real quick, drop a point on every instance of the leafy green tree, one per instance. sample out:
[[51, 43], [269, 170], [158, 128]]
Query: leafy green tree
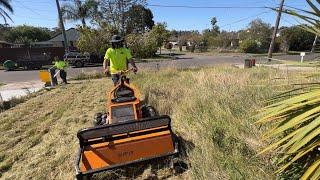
[[4, 7], [138, 19], [160, 33], [259, 31], [26, 34], [142, 45], [80, 10], [222, 40], [114, 12], [95, 41], [297, 38], [214, 27], [3, 30]]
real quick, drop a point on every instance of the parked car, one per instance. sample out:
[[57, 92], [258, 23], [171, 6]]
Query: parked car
[[77, 59]]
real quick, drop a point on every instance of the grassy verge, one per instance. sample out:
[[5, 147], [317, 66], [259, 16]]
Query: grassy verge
[[88, 76], [156, 58], [212, 111], [17, 100], [295, 63]]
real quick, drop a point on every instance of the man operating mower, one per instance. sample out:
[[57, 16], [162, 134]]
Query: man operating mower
[[117, 58]]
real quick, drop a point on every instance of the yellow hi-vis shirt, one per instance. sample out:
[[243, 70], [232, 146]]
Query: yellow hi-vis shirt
[[60, 64], [118, 59]]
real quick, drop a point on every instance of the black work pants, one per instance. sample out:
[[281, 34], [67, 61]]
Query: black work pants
[[63, 75]]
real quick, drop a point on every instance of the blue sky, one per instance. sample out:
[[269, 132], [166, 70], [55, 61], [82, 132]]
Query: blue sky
[[44, 13]]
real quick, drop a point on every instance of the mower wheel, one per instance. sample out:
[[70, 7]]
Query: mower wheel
[[97, 119], [100, 119], [148, 111]]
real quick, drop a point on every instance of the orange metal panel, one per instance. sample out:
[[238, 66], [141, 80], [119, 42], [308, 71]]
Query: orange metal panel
[[126, 150]]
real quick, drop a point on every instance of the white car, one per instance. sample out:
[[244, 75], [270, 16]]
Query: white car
[[77, 59]]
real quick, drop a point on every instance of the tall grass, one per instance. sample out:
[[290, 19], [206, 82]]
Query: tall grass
[[211, 109]]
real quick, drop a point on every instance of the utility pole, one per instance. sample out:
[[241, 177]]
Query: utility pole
[[314, 44], [62, 25], [275, 30]]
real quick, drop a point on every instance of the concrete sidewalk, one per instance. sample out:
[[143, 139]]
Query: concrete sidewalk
[[14, 90]]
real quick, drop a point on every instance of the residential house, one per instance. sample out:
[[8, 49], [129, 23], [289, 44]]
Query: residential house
[[58, 40], [72, 37]]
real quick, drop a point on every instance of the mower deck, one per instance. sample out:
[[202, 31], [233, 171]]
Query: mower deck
[[112, 146]]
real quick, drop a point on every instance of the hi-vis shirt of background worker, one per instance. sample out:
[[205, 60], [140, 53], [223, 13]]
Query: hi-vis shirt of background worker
[[62, 66], [118, 58]]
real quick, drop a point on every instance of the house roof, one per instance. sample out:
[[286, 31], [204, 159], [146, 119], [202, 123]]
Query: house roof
[[72, 35], [5, 42], [43, 42]]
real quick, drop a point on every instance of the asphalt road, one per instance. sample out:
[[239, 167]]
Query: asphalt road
[[183, 61]]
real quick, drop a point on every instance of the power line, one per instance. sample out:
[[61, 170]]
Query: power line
[[32, 8], [286, 20], [207, 7], [44, 19], [28, 8], [243, 19]]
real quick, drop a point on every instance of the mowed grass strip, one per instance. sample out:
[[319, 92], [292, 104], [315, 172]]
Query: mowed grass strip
[[212, 111]]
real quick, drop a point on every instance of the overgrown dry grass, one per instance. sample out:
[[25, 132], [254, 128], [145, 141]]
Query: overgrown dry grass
[[211, 108]]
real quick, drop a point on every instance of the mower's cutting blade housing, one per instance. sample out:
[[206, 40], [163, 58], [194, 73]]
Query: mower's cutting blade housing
[[111, 146]]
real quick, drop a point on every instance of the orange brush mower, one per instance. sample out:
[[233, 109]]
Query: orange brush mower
[[128, 133]]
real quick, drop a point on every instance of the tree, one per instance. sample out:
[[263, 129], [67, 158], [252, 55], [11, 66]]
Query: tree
[[297, 38], [26, 34], [95, 41], [80, 10], [142, 45], [258, 31], [5, 5], [160, 33], [3, 30], [222, 40], [114, 12], [214, 26], [138, 19]]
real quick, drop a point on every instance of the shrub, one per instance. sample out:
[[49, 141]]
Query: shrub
[[168, 45], [142, 46], [297, 39], [249, 46]]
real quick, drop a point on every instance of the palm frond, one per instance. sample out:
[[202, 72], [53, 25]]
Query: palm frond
[[6, 5], [296, 127]]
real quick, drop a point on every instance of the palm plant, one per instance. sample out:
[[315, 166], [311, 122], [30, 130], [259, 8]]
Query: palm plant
[[80, 10], [295, 117], [5, 5]]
